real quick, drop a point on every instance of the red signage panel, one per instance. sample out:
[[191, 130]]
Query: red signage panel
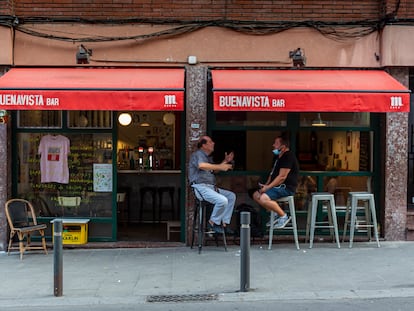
[[92, 100], [308, 90], [311, 101], [92, 89]]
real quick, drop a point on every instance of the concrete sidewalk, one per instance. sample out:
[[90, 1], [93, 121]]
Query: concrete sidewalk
[[100, 276]]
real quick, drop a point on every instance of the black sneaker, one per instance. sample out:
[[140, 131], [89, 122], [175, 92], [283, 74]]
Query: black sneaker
[[215, 228]]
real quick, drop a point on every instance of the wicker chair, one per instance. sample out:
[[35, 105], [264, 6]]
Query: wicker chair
[[23, 223]]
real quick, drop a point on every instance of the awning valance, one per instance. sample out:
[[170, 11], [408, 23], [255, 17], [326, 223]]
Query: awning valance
[[92, 89], [308, 90]]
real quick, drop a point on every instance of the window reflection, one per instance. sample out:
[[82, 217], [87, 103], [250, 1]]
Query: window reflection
[[334, 150], [336, 119], [246, 118], [39, 119], [84, 195]]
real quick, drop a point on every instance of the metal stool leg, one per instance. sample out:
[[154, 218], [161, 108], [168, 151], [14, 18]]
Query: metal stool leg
[[335, 222], [312, 221], [374, 219], [201, 213], [195, 219], [294, 224], [272, 216], [346, 218], [354, 204], [308, 222]]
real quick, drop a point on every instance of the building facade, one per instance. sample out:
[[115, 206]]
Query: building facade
[[201, 40]]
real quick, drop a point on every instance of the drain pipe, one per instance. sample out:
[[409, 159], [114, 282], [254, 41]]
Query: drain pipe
[[244, 251]]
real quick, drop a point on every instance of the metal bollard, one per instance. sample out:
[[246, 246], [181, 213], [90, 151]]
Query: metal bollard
[[244, 251], [57, 257]]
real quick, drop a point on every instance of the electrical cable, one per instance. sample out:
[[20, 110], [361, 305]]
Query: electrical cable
[[338, 31]]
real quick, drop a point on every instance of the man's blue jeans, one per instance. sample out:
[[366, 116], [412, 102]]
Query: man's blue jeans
[[222, 199]]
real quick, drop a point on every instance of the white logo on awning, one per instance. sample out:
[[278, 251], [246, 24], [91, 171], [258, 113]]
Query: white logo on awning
[[396, 102], [170, 101]]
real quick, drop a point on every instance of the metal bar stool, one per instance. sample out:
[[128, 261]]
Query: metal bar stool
[[153, 193], [122, 207], [170, 191], [332, 223], [291, 202], [369, 207], [199, 222]]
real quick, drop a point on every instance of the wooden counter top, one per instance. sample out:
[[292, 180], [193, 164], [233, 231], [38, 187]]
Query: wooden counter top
[[149, 171]]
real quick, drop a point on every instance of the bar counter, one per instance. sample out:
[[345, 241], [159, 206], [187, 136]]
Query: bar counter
[[149, 171]]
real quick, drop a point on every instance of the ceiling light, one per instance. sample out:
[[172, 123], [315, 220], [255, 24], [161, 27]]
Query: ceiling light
[[318, 121], [125, 119]]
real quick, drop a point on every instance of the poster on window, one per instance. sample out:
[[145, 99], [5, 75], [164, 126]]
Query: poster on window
[[102, 177]]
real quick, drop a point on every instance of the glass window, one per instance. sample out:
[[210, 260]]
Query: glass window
[[334, 150], [246, 118], [88, 191], [150, 141], [39, 119], [252, 149], [90, 119], [335, 119]]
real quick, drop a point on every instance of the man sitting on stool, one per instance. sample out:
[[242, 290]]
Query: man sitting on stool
[[282, 182], [202, 178]]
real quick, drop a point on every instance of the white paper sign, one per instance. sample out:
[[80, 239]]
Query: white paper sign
[[102, 177]]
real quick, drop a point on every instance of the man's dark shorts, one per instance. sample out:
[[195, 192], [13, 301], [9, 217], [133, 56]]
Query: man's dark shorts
[[278, 192]]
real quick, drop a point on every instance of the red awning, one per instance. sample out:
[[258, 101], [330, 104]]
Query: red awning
[[308, 90], [92, 89]]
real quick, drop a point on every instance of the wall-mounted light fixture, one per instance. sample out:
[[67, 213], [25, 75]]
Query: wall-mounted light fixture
[[83, 54], [318, 121], [192, 60], [168, 118], [125, 119], [298, 57]]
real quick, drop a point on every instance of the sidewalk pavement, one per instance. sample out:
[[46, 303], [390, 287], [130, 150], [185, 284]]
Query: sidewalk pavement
[[131, 276]]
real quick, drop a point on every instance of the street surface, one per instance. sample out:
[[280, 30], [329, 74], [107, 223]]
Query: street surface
[[385, 304]]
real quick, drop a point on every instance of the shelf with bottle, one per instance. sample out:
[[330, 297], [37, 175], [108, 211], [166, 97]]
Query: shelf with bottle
[[141, 158]]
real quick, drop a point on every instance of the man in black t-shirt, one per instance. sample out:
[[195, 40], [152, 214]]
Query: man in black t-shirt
[[282, 181]]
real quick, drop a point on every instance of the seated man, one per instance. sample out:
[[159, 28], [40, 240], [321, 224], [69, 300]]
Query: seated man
[[282, 181], [202, 178]]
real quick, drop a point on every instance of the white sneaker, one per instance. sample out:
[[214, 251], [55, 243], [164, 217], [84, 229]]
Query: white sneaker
[[274, 220], [282, 222]]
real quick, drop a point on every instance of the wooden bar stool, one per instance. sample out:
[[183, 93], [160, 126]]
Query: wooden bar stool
[[291, 202], [369, 213], [332, 223]]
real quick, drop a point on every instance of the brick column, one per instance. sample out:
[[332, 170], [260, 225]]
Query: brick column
[[4, 178], [196, 125], [396, 166]]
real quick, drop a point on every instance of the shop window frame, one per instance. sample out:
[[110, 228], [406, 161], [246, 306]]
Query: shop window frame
[[65, 129], [293, 127]]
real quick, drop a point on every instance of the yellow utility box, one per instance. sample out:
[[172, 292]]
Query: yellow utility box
[[74, 231]]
